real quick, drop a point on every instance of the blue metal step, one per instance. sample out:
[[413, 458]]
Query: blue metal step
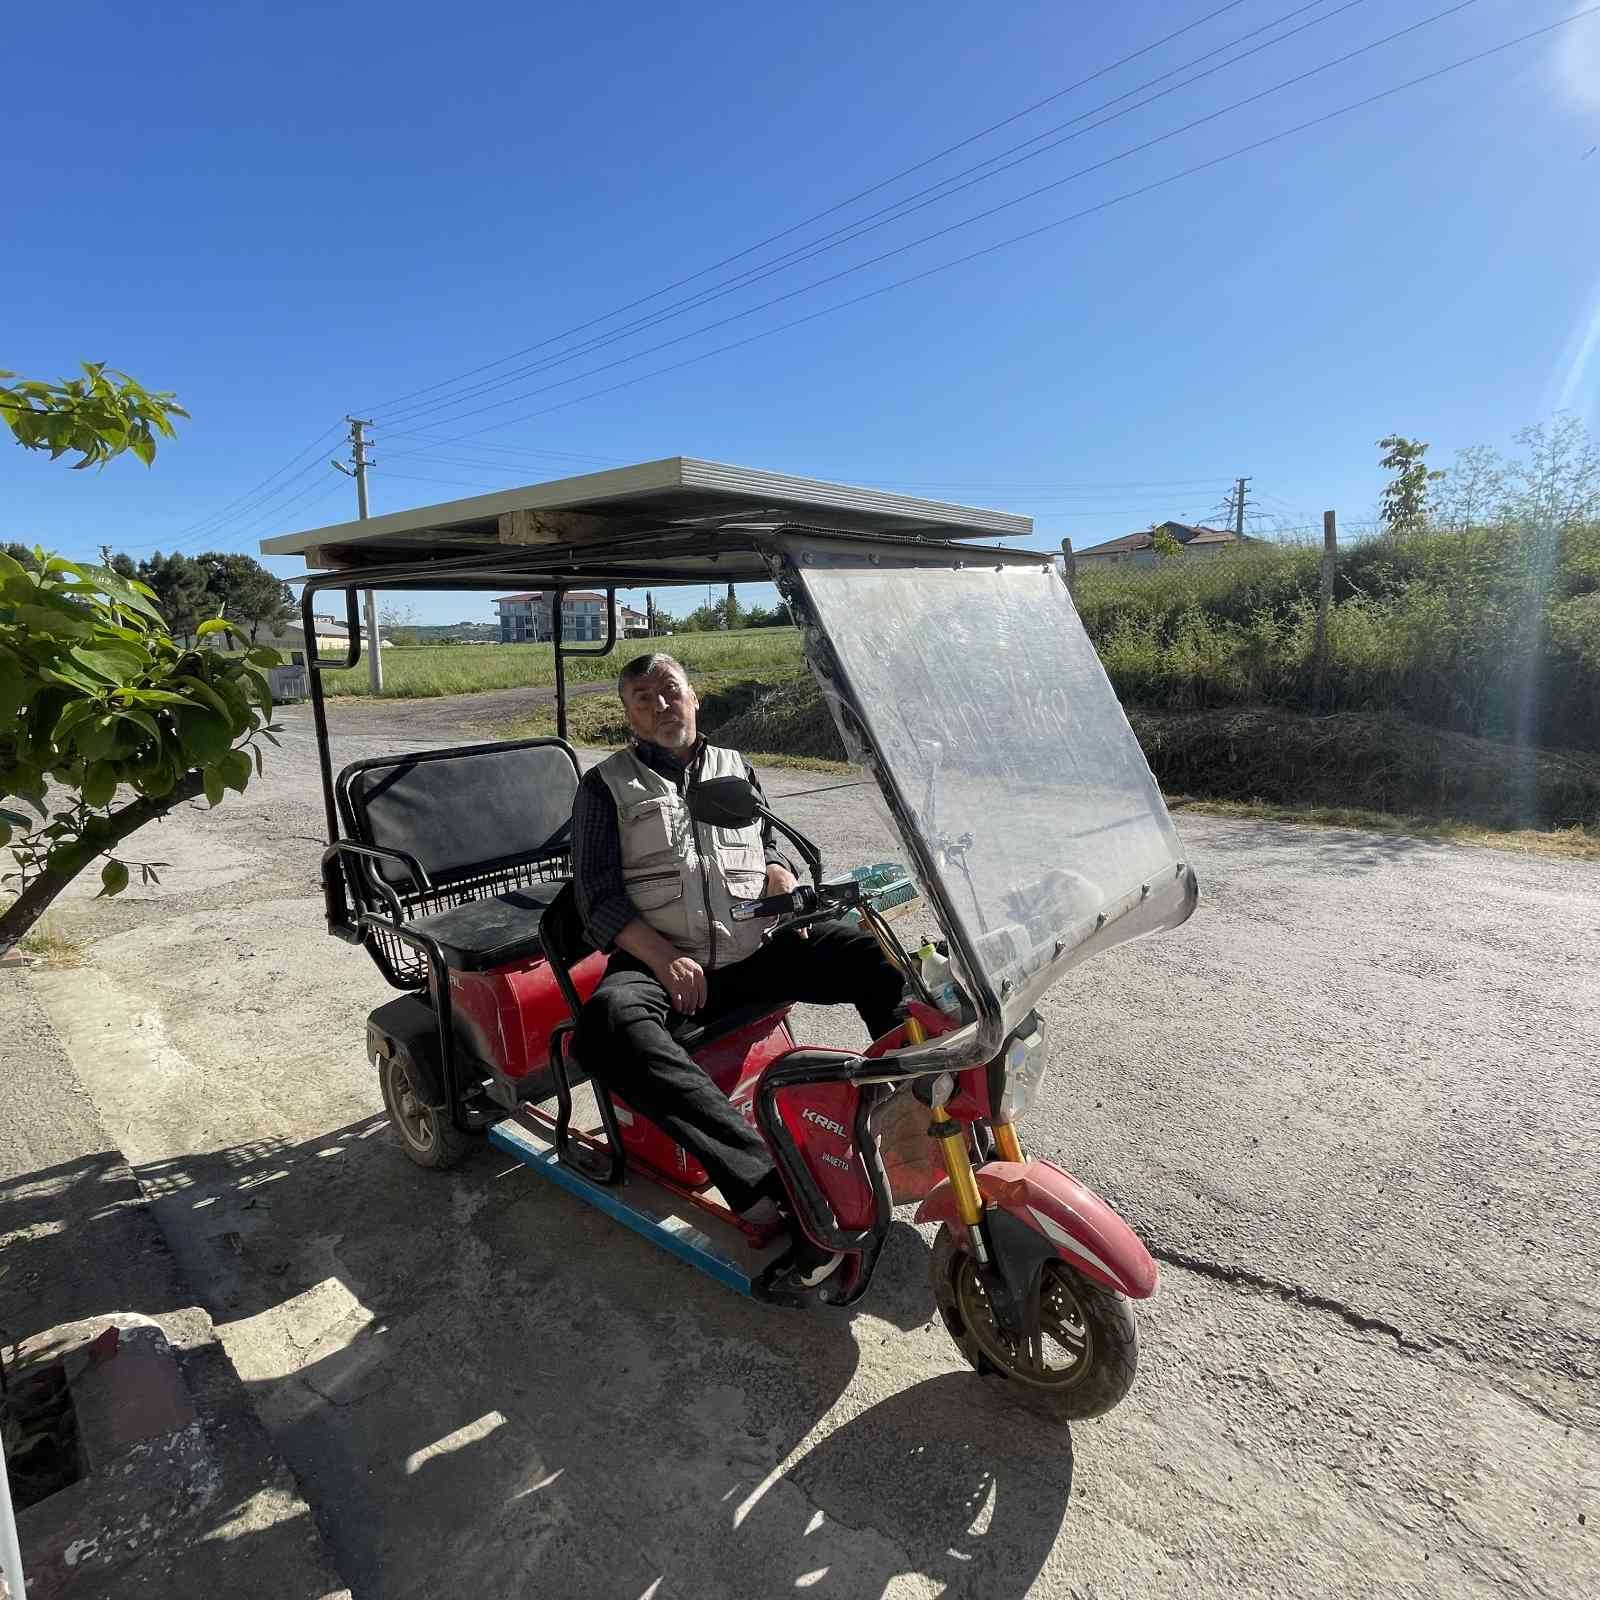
[[716, 1248]]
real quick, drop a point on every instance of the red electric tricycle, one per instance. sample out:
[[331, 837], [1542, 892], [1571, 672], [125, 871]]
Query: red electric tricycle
[[962, 681]]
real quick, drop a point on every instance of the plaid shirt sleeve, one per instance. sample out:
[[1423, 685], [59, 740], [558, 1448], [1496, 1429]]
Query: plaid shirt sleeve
[[603, 900]]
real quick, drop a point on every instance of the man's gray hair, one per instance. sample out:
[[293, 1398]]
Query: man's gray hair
[[645, 666]]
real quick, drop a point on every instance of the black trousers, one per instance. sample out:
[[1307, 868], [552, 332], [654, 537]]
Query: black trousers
[[622, 1040]]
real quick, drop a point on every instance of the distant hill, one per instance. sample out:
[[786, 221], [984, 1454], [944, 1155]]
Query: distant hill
[[469, 632]]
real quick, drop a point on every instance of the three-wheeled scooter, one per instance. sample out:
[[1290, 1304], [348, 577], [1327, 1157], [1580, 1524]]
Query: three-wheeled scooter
[[962, 681]]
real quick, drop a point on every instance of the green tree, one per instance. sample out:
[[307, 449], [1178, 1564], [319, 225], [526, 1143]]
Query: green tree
[[1556, 486], [19, 553], [1472, 492], [100, 415], [241, 590], [98, 699], [1165, 541], [178, 585], [1405, 495], [398, 624]]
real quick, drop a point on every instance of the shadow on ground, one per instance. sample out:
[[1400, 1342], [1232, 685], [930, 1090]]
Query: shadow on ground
[[487, 1387]]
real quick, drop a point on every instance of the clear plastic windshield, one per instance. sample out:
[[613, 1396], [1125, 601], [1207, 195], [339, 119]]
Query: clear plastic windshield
[[1003, 749]]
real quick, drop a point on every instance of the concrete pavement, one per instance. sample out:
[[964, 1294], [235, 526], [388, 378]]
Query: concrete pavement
[[1350, 1105]]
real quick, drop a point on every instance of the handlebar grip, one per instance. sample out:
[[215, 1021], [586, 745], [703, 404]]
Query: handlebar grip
[[797, 902]]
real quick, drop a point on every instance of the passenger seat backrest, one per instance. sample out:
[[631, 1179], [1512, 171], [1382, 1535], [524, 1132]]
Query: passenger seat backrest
[[463, 810]]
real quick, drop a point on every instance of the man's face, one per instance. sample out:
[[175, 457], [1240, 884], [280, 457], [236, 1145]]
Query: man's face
[[661, 708]]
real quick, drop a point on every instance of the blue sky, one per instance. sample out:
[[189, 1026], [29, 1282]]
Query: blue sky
[[286, 213]]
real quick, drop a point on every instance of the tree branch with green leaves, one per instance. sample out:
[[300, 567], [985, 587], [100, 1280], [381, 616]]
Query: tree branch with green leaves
[[106, 723], [100, 415]]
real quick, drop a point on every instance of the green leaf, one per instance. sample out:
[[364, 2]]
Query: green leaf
[[255, 750], [205, 693], [97, 738], [144, 722], [16, 819], [156, 780], [205, 736], [56, 622], [235, 769], [111, 662], [263, 689], [132, 594], [261, 656], [13, 687], [70, 675], [214, 786], [113, 879], [215, 625], [77, 711], [99, 784], [156, 697]]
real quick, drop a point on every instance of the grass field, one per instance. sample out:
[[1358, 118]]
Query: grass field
[[427, 671]]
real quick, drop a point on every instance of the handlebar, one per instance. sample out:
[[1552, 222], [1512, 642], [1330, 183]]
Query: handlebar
[[797, 902], [837, 894]]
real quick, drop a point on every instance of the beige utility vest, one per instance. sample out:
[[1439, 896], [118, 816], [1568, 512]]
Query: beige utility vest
[[683, 876]]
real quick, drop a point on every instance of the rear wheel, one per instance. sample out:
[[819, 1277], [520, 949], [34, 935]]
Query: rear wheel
[[427, 1134], [1077, 1363]]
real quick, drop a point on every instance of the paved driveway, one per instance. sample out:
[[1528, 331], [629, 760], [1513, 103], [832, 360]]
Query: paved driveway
[[1352, 1105]]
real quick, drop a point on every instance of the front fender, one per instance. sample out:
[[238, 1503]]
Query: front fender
[[1079, 1225]]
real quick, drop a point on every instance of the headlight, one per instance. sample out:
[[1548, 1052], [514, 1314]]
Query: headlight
[[1024, 1062]]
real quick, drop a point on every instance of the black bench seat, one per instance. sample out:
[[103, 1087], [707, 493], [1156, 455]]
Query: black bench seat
[[479, 934], [466, 846]]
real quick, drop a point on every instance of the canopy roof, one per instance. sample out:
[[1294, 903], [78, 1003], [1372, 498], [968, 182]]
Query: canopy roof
[[678, 497]]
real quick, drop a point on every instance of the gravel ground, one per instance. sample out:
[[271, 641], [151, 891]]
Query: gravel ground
[[1350, 1105]]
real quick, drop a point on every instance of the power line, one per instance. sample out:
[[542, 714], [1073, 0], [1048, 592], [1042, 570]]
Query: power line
[[1031, 233], [946, 189], [214, 520], [828, 211]]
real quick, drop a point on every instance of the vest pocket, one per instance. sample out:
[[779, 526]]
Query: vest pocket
[[647, 830], [653, 890]]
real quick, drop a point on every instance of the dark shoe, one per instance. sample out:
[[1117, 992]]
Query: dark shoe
[[809, 1264]]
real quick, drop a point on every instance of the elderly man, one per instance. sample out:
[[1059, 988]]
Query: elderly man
[[655, 889]]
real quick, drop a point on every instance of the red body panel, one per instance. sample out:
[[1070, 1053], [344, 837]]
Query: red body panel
[[821, 1119], [1085, 1231], [505, 1016]]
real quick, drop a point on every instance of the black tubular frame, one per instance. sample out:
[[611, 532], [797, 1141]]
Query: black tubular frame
[[561, 652], [614, 563]]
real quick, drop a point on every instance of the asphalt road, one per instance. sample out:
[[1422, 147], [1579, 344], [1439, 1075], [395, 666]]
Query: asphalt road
[[1351, 1106]]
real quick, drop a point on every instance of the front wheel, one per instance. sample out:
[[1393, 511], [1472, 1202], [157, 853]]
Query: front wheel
[[427, 1134], [1080, 1360]]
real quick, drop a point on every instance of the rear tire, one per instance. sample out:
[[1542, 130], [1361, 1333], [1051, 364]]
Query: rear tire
[[1093, 1326], [426, 1134]]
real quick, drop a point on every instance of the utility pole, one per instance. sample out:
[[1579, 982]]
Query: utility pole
[[358, 470], [1238, 506]]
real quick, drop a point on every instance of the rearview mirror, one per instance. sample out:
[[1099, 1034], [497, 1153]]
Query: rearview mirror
[[723, 802]]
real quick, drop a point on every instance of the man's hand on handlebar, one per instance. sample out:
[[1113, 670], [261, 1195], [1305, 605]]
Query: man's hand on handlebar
[[780, 880]]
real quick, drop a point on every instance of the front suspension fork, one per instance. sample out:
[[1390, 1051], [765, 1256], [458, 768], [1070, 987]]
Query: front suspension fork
[[952, 1141], [1014, 1307]]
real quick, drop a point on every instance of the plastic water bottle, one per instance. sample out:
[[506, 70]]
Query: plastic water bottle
[[938, 978]]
